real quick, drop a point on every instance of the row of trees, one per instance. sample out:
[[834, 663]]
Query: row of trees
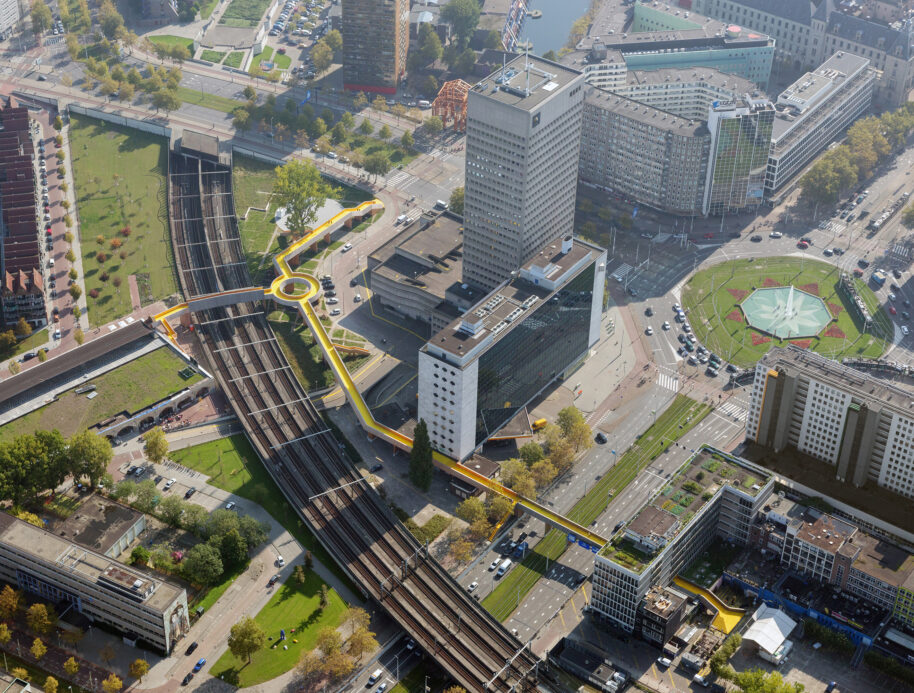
[[158, 83], [33, 463], [335, 657], [870, 141]]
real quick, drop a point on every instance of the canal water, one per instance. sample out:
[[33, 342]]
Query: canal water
[[550, 32]]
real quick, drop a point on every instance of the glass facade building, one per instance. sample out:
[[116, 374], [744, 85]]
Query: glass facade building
[[740, 141], [533, 354]]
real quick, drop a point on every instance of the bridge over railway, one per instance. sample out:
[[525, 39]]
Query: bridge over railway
[[301, 453]]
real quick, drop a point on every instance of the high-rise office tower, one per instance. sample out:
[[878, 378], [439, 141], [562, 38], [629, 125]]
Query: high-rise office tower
[[375, 41], [522, 148], [9, 16], [740, 140]]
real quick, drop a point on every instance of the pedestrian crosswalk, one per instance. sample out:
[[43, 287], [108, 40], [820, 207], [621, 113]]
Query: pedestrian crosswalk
[[622, 271], [670, 382], [400, 179], [733, 410], [900, 250]]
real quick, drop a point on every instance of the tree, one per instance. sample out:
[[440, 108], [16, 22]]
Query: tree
[[465, 62], [139, 668], [338, 133], [339, 665], [20, 673], [194, 518], [377, 164], [420, 457], [361, 641], [73, 637], [71, 667], [433, 125], [471, 509], [233, 549], [254, 531], [155, 445], [22, 329], [298, 574], [907, 217], [334, 39], [5, 634], [249, 93], [365, 127], [456, 689], [429, 86], [79, 335], [311, 666], [356, 617], [75, 292], [580, 436], [38, 649], [498, 508], [493, 41], [309, 561], [50, 685], [325, 597], [407, 141], [427, 50], [301, 189], [41, 17], [139, 555], [202, 564], [329, 640], [524, 484], [455, 204], [170, 510], [379, 104], [41, 618], [567, 418], [321, 56], [384, 133], [112, 684], [58, 123], [167, 100], [245, 638], [398, 109], [461, 550], [147, 496], [111, 22], [463, 16], [561, 455], [89, 455], [543, 473], [480, 529]]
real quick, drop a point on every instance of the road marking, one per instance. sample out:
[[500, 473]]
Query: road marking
[[669, 382], [734, 410], [561, 616]]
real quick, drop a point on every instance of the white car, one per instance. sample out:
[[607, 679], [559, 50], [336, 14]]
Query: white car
[[472, 587], [230, 505], [891, 297], [169, 483], [904, 330], [332, 301], [335, 312], [676, 307], [649, 331], [347, 247], [280, 561], [493, 565], [775, 234], [357, 298], [666, 325], [664, 661]]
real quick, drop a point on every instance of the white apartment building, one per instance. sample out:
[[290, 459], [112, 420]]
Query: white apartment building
[[9, 17], [522, 148], [623, 575], [814, 111], [142, 607], [862, 426], [481, 370]]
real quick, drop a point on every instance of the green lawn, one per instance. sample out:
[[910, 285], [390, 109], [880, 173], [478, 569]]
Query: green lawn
[[711, 298], [213, 101], [232, 464], [168, 41], [36, 339], [129, 388], [683, 412], [244, 13], [356, 142], [206, 10], [234, 59], [212, 56], [414, 681], [211, 596], [294, 606], [281, 61], [120, 181], [305, 355]]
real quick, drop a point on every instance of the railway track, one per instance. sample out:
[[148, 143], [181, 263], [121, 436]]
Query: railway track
[[305, 459]]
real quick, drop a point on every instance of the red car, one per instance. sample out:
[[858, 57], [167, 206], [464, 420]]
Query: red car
[[708, 235], [892, 310], [802, 245]]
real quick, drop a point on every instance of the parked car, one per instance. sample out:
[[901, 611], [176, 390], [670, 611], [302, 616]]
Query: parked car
[[472, 586], [169, 484], [756, 239], [191, 491], [190, 648], [200, 664]]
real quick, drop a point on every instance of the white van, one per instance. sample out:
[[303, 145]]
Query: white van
[[424, 104], [375, 675], [401, 218], [440, 204], [50, 262], [503, 568]]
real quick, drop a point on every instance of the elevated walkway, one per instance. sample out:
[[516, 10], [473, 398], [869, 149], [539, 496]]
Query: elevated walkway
[[280, 291], [727, 617]]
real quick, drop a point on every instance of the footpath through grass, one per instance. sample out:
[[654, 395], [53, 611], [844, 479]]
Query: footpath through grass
[[683, 412], [128, 388], [713, 296], [294, 608], [233, 465], [120, 182]]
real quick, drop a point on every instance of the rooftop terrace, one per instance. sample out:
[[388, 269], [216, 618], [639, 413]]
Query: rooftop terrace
[[699, 480]]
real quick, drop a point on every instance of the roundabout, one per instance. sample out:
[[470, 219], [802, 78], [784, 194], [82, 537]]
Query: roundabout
[[740, 309]]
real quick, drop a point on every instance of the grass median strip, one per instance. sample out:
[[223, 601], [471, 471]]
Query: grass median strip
[[682, 415], [211, 101]]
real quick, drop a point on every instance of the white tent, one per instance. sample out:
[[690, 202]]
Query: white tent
[[769, 630]]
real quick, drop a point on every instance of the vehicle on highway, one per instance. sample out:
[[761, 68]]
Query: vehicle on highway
[[381, 688], [357, 298], [190, 648], [200, 664], [863, 264], [692, 360], [731, 368], [896, 273], [892, 310], [891, 297], [375, 675], [648, 311], [601, 438], [187, 679], [503, 568]]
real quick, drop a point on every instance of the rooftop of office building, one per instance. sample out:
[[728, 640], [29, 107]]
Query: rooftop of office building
[[662, 601], [525, 82], [684, 495], [800, 100], [98, 523], [647, 114], [498, 312], [866, 388], [658, 25], [885, 561], [37, 544], [427, 254], [692, 75]]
